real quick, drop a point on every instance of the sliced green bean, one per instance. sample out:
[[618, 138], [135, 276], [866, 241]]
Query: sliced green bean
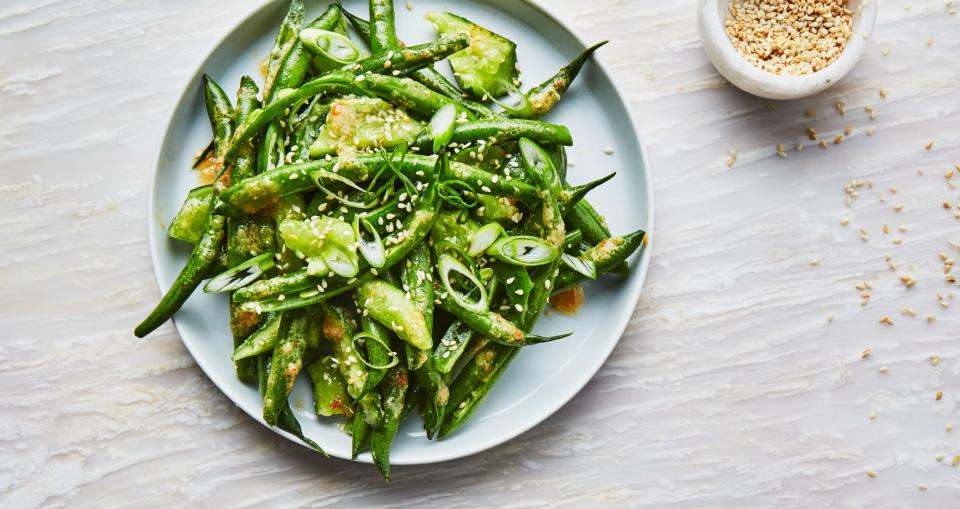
[[286, 363], [329, 390], [452, 345], [262, 340], [339, 327]]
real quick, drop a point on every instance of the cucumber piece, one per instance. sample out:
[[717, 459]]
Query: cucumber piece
[[358, 123], [191, 220], [488, 66]]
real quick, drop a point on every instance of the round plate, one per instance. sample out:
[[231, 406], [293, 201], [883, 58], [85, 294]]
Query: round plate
[[542, 378]]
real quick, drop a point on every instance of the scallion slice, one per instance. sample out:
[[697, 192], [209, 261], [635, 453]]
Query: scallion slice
[[516, 103], [483, 238], [330, 48], [319, 175], [522, 250], [241, 275], [339, 260], [394, 358], [372, 250], [441, 126], [447, 265]]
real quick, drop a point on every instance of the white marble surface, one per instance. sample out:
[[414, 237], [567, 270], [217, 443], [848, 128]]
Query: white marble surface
[[730, 387]]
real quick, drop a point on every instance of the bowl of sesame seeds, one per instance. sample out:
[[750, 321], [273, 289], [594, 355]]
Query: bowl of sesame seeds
[[785, 49]]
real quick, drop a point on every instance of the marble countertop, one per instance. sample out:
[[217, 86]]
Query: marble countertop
[[750, 374]]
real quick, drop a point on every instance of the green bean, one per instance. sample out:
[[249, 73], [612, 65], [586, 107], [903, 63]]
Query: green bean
[[377, 353], [546, 95], [329, 390], [339, 327], [220, 113], [516, 282], [262, 340], [416, 275], [360, 431], [202, 258], [497, 208], [246, 235], [286, 361], [436, 81], [491, 325], [412, 401], [191, 219], [392, 393], [573, 242], [383, 32], [388, 305], [285, 40], [294, 67], [404, 93], [407, 60], [573, 195], [606, 255], [452, 346], [505, 129], [287, 421], [480, 368], [372, 411], [585, 218]]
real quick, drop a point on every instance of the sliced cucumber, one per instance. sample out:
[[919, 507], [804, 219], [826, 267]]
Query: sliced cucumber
[[191, 220], [357, 123], [488, 65]]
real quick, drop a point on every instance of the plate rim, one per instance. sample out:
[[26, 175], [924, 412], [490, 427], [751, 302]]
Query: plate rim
[[636, 281]]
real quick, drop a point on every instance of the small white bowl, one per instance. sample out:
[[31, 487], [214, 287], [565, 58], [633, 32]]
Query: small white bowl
[[712, 15]]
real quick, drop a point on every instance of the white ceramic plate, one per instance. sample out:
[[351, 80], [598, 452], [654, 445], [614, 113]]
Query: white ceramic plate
[[542, 378]]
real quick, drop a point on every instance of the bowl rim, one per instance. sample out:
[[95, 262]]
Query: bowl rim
[[639, 272], [744, 75]]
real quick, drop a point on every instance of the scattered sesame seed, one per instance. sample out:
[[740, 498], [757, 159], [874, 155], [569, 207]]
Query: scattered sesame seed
[[865, 354], [872, 474], [886, 320], [608, 151], [939, 395]]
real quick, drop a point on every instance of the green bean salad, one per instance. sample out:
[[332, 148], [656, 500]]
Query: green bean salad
[[391, 233]]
